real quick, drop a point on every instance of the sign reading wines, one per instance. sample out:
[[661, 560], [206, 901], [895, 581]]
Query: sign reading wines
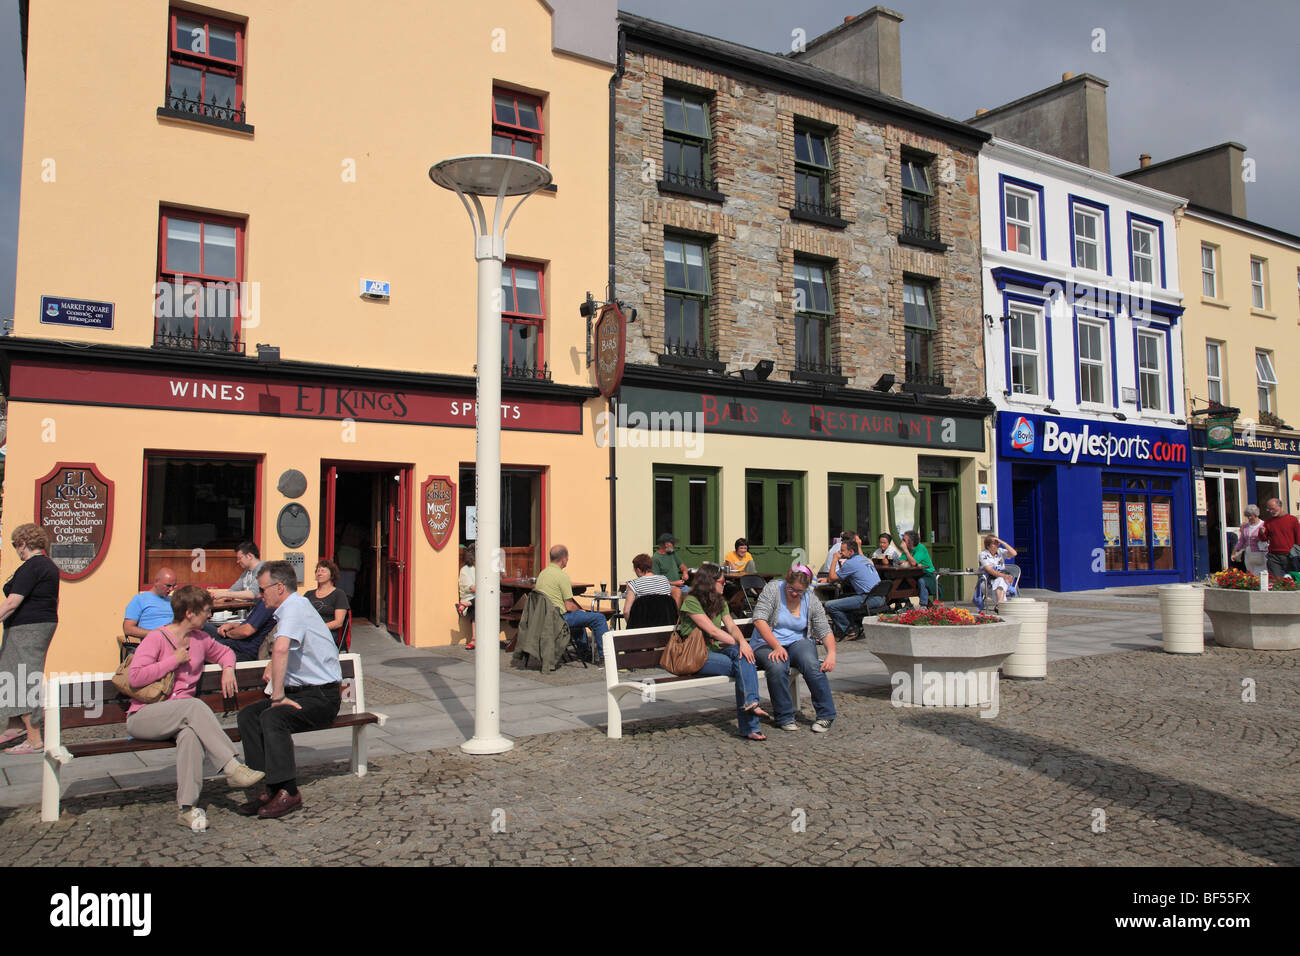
[[611, 348], [75, 505], [438, 509]]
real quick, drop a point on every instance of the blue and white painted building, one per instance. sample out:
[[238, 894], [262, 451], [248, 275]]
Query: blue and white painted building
[[1092, 481]]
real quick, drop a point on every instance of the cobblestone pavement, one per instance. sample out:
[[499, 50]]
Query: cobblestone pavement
[[1161, 750]]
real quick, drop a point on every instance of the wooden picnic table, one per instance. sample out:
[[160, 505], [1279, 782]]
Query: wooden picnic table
[[904, 581], [231, 604]]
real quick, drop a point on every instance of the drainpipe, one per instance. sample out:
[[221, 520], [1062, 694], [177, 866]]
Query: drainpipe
[[611, 426]]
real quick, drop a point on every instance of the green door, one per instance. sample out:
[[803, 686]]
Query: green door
[[853, 504], [774, 519], [939, 524], [686, 504]]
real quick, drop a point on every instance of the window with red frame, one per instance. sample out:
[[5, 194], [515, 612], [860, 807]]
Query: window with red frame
[[523, 311], [200, 280], [516, 125], [205, 69]]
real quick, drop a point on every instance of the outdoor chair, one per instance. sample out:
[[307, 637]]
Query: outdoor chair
[[751, 585], [981, 584], [653, 610]]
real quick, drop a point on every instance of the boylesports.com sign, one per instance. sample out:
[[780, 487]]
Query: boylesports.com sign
[[1069, 440]]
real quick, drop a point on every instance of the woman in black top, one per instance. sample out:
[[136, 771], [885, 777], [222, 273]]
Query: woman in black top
[[329, 601], [30, 613]]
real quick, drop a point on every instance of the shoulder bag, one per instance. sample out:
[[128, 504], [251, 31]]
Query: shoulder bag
[[159, 690], [684, 655]]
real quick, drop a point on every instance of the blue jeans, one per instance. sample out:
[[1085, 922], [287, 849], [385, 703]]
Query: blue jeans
[[593, 620], [745, 676], [840, 608], [803, 655]]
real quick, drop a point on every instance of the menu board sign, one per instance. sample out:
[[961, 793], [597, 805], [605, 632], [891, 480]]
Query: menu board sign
[[75, 506], [1110, 523]]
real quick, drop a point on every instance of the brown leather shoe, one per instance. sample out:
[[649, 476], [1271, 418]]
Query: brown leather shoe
[[250, 808], [280, 806]]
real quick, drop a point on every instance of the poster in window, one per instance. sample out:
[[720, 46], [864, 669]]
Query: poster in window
[[1110, 523], [1137, 523], [1160, 524]]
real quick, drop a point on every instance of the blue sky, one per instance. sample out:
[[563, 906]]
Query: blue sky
[[1183, 74]]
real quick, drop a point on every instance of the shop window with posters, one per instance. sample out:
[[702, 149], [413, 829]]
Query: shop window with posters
[[1137, 523]]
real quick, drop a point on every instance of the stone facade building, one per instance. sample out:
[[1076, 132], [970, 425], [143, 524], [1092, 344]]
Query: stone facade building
[[816, 235]]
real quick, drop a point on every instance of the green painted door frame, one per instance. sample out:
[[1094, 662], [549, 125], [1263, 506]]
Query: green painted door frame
[[685, 503], [774, 518], [857, 507], [939, 524]]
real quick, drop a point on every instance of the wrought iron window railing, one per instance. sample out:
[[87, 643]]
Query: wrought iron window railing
[[184, 103], [690, 351], [189, 342], [820, 368], [542, 374], [925, 235], [817, 208], [678, 178]]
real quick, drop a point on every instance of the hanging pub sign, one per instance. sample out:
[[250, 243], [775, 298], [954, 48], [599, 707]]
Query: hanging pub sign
[[75, 506], [1218, 433], [611, 348], [438, 509]]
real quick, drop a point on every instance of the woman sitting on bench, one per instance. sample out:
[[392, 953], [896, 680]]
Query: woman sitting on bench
[[183, 647], [729, 652]]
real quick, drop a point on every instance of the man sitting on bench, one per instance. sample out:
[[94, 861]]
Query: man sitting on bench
[[304, 674], [860, 576], [148, 610]]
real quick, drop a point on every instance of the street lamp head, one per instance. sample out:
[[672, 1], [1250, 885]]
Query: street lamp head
[[490, 175]]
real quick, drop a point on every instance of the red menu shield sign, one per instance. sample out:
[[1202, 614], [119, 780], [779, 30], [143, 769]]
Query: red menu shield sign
[[75, 505], [438, 509], [611, 348]]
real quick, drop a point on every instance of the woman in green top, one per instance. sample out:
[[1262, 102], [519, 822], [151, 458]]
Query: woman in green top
[[917, 555], [729, 652]]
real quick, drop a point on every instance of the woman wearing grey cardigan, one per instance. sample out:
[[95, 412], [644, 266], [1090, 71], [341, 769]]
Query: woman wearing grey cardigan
[[788, 622]]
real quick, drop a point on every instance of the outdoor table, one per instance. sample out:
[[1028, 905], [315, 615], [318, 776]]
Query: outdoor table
[[826, 590], [231, 604], [947, 573], [904, 582]]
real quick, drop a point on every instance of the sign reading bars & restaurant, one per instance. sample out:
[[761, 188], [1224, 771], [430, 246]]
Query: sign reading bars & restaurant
[[75, 505]]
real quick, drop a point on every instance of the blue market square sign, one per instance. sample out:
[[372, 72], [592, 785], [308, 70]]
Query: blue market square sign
[[56, 310]]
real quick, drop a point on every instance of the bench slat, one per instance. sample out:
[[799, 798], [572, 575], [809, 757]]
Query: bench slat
[[97, 748]]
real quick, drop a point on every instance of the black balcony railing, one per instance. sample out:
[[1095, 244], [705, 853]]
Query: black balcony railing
[[814, 207], [817, 367], [675, 177], [189, 342], [184, 103], [919, 235], [527, 372], [690, 351]]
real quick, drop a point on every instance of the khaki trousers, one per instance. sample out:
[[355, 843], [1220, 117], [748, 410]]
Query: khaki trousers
[[196, 730]]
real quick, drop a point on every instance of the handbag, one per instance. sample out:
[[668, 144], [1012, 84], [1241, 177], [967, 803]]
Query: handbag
[[159, 690], [684, 655]]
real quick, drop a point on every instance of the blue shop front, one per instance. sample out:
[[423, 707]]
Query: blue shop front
[[1090, 504], [1262, 463]]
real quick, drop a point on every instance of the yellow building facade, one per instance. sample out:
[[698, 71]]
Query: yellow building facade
[[210, 186]]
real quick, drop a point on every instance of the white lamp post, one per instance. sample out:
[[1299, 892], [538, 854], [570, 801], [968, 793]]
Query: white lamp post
[[471, 177]]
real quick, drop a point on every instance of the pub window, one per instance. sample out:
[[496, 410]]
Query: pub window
[[195, 503], [1137, 523], [521, 504]]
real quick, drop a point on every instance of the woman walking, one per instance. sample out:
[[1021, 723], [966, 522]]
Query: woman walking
[[30, 613], [183, 647]]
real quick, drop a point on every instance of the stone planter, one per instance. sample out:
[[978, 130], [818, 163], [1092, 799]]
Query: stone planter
[[947, 666], [1257, 620]]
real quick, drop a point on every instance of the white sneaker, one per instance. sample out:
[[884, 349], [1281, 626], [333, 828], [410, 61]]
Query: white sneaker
[[790, 726], [194, 818], [820, 726]]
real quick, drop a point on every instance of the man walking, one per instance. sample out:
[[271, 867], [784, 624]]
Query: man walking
[[1282, 532], [304, 675], [555, 584]]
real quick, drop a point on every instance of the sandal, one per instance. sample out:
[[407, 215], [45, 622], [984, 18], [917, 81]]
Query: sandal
[[756, 735], [758, 711], [470, 646], [23, 749], [11, 735]]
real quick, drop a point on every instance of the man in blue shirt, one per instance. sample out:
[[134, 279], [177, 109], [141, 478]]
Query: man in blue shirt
[[860, 576], [304, 675], [246, 637], [149, 610]]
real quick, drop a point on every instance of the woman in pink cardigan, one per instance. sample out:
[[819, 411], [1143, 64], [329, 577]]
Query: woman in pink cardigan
[[182, 646]]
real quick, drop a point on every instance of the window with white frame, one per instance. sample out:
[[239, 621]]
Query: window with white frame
[[1258, 283], [1026, 349], [1151, 370], [1267, 381], [1209, 271], [1092, 362], [1087, 238], [1214, 370], [1021, 215], [1145, 241]]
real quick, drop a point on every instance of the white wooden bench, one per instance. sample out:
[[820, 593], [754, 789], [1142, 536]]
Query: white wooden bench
[[70, 701], [641, 648]]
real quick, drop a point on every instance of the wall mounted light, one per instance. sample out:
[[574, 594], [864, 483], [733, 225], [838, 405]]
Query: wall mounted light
[[1121, 416], [269, 354], [1050, 410], [1180, 421], [884, 383]]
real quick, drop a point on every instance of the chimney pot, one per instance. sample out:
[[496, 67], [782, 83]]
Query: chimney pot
[[1067, 76], [981, 111], [1144, 160], [848, 19]]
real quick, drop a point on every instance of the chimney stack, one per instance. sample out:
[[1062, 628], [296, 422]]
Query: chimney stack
[[1144, 160], [864, 49], [1067, 76]]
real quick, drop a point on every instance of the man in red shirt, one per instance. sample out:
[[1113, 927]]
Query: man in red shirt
[[1282, 532]]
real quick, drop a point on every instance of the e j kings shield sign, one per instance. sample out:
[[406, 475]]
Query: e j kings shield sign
[[438, 509], [75, 505]]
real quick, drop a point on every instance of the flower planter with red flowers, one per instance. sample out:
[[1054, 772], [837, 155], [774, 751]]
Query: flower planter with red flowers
[[942, 656], [1245, 616]]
